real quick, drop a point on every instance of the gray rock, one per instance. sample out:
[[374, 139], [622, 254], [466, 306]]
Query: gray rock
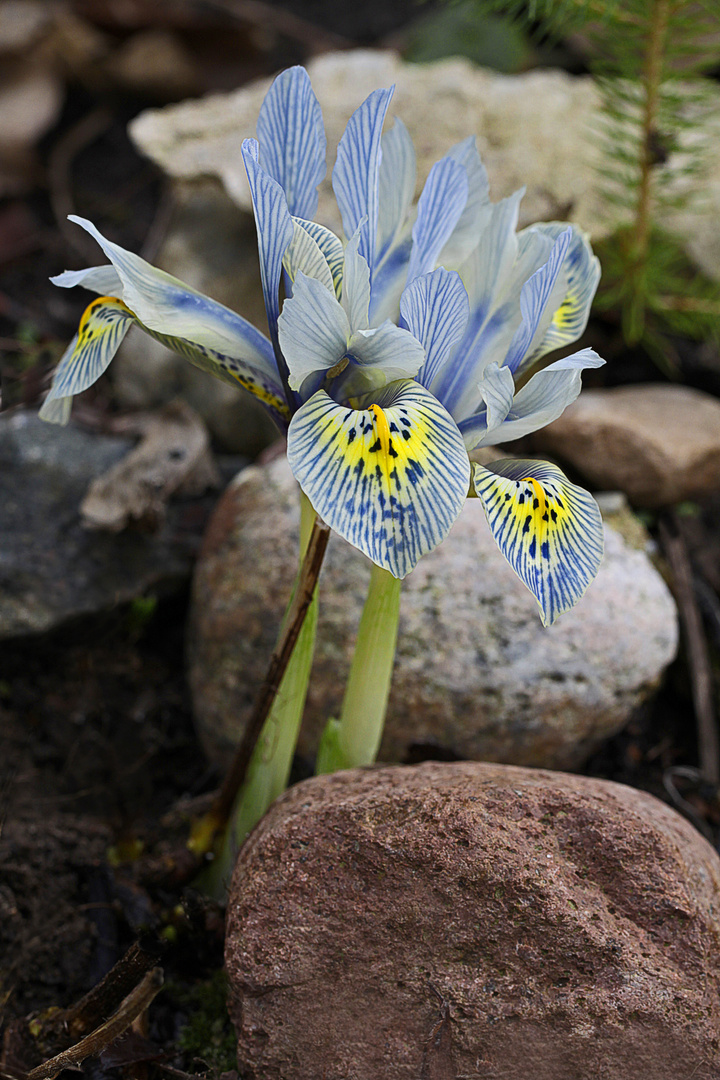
[[534, 129], [476, 674], [659, 444], [211, 246], [474, 920], [51, 568]]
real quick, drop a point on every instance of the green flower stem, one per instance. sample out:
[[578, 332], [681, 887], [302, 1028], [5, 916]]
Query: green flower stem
[[355, 738], [269, 767]]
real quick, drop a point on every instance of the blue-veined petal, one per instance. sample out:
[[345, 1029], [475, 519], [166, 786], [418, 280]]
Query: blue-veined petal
[[355, 176], [391, 478], [274, 229], [435, 309], [103, 280], [356, 283], [549, 530], [581, 270], [303, 254], [439, 208], [331, 247], [494, 306], [102, 328], [313, 330], [468, 229], [166, 306], [292, 140], [396, 186], [539, 298], [389, 281]]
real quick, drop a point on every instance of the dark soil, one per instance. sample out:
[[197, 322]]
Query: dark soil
[[100, 768]]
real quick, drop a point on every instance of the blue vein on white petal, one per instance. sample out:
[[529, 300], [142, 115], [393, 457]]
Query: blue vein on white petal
[[356, 172], [439, 208], [166, 305], [292, 140], [581, 270], [304, 254], [274, 230], [331, 247], [391, 484], [396, 187], [466, 233], [435, 308], [549, 530], [534, 299]]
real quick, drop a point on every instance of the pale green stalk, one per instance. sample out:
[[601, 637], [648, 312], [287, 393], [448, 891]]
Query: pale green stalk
[[269, 767], [355, 738]]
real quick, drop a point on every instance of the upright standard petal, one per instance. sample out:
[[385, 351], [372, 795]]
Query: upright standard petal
[[442, 202], [467, 231], [102, 328], [292, 140], [274, 230], [549, 530], [396, 186], [435, 309], [356, 172], [390, 478]]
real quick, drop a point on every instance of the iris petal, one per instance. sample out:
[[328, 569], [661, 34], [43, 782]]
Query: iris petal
[[549, 530], [102, 328], [466, 233], [396, 186], [165, 305], [274, 230], [434, 309], [391, 478], [356, 173], [439, 208], [538, 301], [304, 254], [313, 330], [292, 140], [331, 247], [581, 273]]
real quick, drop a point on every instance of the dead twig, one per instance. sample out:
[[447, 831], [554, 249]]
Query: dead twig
[[80, 135], [209, 827], [93, 1044], [697, 651]]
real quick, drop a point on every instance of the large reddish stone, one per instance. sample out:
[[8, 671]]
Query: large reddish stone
[[474, 920]]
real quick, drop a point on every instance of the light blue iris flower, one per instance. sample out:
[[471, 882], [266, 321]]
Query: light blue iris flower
[[394, 354]]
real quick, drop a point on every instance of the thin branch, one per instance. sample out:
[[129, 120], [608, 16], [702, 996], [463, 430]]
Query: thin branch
[[133, 1006], [697, 651], [217, 818], [86, 131]]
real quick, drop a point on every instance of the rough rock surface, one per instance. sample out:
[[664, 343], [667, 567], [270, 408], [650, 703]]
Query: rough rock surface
[[474, 920], [659, 444], [476, 674], [51, 568], [534, 129], [210, 245]]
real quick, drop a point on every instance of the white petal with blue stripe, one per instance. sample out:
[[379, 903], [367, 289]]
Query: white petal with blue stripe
[[390, 478], [549, 530], [292, 140], [435, 309]]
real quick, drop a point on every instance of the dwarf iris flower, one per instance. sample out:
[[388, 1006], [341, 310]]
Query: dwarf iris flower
[[395, 354]]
